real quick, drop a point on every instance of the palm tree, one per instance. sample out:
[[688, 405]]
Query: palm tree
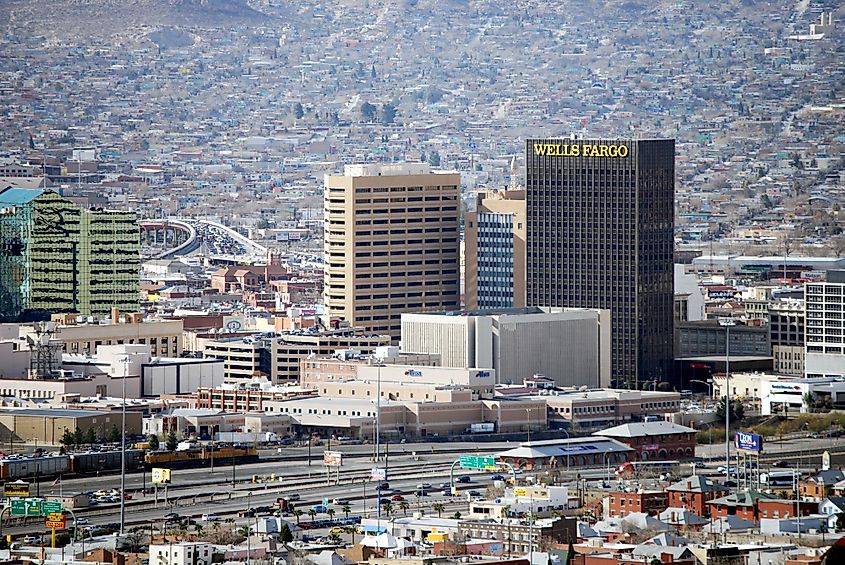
[[506, 510], [297, 512], [438, 507], [312, 513], [351, 529], [331, 513], [388, 507], [404, 506], [346, 509]]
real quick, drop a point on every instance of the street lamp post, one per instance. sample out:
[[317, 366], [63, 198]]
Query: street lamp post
[[567, 449], [709, 385], [727, 323], [528, 412], [125, 361]]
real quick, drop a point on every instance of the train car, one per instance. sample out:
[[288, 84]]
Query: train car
[[200, 457], [21, 467], [98, 461]]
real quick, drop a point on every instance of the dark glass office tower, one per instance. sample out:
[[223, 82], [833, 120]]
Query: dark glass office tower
[[600, 235]]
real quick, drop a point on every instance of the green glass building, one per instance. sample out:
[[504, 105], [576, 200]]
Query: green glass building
[[56, 257]]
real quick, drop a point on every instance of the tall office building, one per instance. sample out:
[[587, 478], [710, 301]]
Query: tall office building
[[391, 244], [58, 257], [825, 318], [600, 235], [494, 250]]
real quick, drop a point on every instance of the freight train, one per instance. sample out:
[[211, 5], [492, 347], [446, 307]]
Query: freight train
[[74, 464], [199, 457]]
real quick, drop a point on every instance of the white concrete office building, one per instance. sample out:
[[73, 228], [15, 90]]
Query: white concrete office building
[[825, 315], [514, 342]]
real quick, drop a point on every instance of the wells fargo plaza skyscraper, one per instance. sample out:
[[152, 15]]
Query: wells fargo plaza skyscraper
[[600, 217]]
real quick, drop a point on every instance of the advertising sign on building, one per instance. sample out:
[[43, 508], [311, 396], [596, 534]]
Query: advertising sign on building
[[55, 520], [749, 442], [332, 458]]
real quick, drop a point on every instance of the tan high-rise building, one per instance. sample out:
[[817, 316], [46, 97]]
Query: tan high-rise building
[[391, 244], [494, 251]]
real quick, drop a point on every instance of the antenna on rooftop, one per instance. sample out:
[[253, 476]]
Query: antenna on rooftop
[[44, 349]]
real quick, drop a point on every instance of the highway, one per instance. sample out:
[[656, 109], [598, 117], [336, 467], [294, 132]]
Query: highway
[[194, 492]]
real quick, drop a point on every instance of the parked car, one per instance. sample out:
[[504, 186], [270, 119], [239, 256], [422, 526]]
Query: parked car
[[397, 498]]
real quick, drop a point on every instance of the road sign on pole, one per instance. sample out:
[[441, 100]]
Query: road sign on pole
[[55, 520], [51, 507], [478, 462], [27, 506]]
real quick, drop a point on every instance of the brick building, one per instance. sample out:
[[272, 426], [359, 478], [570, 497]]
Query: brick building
[[753, 505], [693, 493], [654, 440], [621, 503]]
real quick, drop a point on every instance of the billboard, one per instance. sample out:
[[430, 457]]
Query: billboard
[[332, 458], [17, 488], [378, 474], [161, 476], [749, 442]]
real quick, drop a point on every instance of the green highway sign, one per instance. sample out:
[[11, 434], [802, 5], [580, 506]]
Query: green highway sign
[[27, 507], [477, 462], [35, 507], [51, 507]]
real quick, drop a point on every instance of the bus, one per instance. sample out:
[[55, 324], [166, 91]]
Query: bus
[[647, 468], [780, 478]]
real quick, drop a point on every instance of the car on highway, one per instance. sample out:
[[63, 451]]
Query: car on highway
[[31, 539], [423, 486], [340, 501], [447, 492], [420, 492], [82, 521], [463, 479], [210, 518], [397, 498], [293, 496], [446, 485], [497, 478], [171, 517], [384, 501], [780, 464], [475, 494], [384, 485], [319, 508]]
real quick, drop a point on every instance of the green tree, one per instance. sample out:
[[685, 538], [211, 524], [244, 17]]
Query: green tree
[[114, 434], [434, 159], [388, 113], [346, 509], [387, 507], [298, 513], [67, 438], [90, 436], [78, 437], [312, 513], [737, 410], [331, 512], [153, 441], [368, 112], [171, 442], [404, 506], [285, 535], [298, 111], [438, 507], [456, 516]]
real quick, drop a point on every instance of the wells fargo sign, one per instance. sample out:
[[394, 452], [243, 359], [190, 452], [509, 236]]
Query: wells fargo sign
[[585, 150]]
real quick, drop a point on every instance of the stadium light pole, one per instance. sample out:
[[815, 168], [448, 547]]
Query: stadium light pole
[[125, 361]]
